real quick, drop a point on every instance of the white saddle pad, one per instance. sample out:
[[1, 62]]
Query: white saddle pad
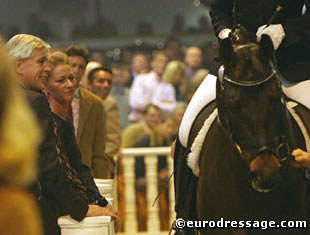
[[203, 96]]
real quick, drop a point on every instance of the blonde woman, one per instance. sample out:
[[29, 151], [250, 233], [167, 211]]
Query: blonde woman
[[60, 90], [19, 140], [175, 74]]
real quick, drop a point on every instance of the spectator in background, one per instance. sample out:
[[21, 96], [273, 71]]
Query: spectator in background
[[150, 88], [145, 127], [89, 119], [193, 60], [120, 92], [175, 74], [90, 66], [173, 49], [126, 55], [134, 136], [100, 83], [140, 65]]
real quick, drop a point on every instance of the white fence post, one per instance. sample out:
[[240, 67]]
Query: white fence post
[[130, 196], [153, 223]]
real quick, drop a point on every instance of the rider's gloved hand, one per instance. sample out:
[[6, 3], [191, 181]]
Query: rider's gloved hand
[[224, 33], [274, 31]]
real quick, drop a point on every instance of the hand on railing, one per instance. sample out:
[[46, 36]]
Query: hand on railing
[[95, 210]]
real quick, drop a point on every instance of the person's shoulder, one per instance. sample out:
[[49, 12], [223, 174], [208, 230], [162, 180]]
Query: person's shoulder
[[142, 78], [110, 101], [33, 96], [37, 100], [89, 96], [134, 126]]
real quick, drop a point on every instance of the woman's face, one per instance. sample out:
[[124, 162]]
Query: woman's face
[[61, 83], [178, 76]]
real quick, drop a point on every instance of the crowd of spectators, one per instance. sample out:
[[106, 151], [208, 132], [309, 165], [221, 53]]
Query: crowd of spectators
[[98, 104], [89, 109]]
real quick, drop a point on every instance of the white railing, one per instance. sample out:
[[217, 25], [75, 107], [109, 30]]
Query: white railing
[[151, 159]]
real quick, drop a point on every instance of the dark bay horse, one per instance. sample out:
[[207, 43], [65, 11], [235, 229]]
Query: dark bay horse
[[245, 165]]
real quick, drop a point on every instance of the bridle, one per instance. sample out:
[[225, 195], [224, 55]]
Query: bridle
[[280, 145]]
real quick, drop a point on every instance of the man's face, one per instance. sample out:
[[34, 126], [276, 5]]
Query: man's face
[[159, 64], [101, 84], [152, 117], [78, 65], [193, 57], [140, 63], [34, 70]]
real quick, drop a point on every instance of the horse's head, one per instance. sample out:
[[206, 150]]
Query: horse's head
[[250, 106]]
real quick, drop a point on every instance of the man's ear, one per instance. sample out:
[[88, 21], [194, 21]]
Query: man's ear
[[19, 66]]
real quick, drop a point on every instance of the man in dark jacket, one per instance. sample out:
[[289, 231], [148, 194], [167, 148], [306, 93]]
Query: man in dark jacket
[[58, 193]]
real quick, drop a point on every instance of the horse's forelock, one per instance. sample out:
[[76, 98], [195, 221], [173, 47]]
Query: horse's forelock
[[248, 63]]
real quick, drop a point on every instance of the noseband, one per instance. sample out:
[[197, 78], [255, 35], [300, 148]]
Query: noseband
[[279, 143]]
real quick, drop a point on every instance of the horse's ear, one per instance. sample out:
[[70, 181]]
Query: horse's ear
[[266, 47], [226, 51]]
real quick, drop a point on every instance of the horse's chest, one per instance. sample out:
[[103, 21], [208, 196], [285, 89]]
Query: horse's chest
[[220, 178], [224, 187]]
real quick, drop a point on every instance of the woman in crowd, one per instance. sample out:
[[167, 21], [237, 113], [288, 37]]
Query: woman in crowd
[[175, 74], [60, 87]]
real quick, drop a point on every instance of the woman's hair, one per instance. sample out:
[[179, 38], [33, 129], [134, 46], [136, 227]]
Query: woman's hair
[[56, 58], [198, 77], [171, 68], [19, 132], [22, 46]]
